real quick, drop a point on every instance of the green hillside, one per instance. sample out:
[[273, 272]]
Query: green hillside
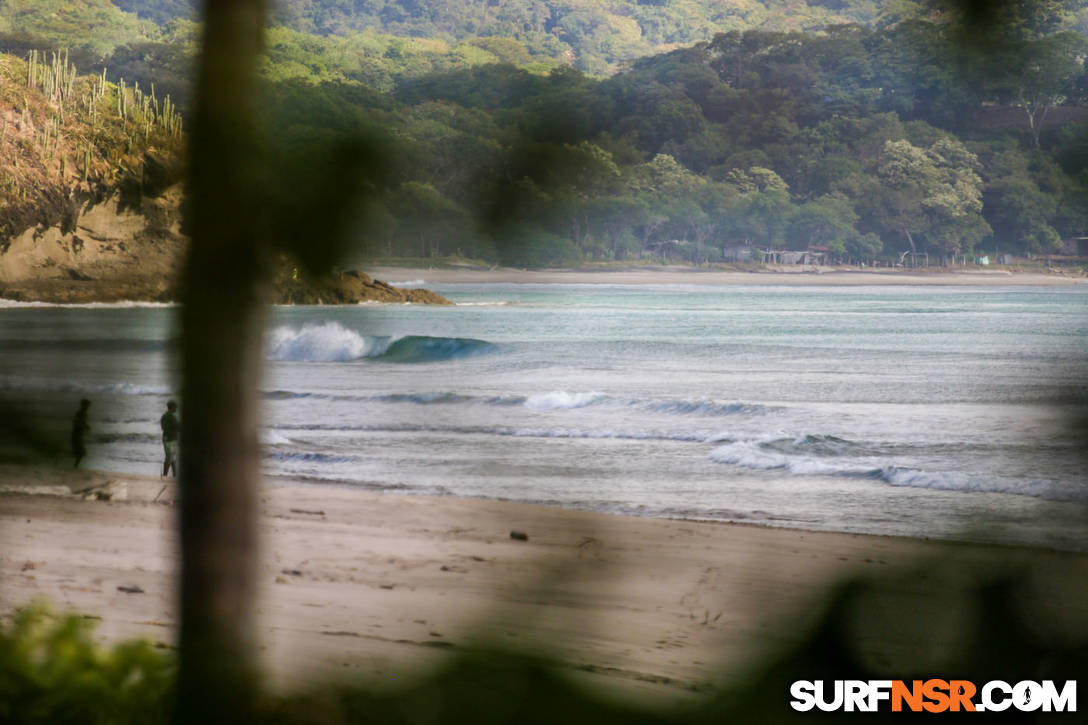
[[923, 133], [865, 143], [65, 138], [597, 36]]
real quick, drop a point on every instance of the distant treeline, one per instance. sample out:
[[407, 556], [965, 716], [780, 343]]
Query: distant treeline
[[867, 142], [596, 36], [931, 132]]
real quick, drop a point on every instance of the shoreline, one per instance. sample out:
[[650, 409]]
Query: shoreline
[[968, 538], [69, 293], [370, 585], [771, 276]]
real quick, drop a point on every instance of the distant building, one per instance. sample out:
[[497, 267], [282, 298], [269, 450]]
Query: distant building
[[787, 256], [737, 254], [1075, 246]]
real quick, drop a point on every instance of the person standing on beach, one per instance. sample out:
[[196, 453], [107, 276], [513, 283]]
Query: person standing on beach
[[170, 430], [80, 428]]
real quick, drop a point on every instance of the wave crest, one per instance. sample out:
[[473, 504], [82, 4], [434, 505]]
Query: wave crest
[[325, 342], [418, 348], [332, 342], [959, 481], [562, 400]]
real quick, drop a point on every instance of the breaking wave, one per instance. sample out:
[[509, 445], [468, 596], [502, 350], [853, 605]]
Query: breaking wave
[[758, 456], [560, 399], [821, 455], [272, 438], [332, 342], [432, 349], [327, 342], [958, 481]]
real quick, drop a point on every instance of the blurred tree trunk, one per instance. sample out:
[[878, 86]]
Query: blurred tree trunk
[[221, 322]]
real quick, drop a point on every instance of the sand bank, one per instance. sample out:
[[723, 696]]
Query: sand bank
[[782, 275], [367, 585]]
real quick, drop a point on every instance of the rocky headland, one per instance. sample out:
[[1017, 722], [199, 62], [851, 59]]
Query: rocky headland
[[351, 287], [115, 249]]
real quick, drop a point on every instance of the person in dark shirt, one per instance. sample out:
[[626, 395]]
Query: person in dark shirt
[[170, 430], [80, 428]]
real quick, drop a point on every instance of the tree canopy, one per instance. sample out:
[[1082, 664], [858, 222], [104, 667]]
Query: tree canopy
[[919, 129]]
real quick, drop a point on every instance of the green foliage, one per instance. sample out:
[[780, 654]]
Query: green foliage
[[597, 36], [69, 134], [526, 245], [161, 12], [95, 25], [934, 192], [53, 672], [1021, 216], [863, 140]]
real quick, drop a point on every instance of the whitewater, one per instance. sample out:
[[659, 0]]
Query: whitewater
[[922, 411]]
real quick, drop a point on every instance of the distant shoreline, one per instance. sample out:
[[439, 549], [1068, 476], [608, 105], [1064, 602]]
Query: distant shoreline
[[139, 291], [701, 276]]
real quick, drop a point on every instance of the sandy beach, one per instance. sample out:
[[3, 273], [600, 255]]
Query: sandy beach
[[767, 275], [375, 586]]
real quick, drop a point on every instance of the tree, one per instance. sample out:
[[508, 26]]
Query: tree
[[1020, 215], [221, 322], [428, 222], [828, 221], [663, 175], [864, 246], [1048, 71], [761, 207], [613, 220], [237, 217], [934, 193]]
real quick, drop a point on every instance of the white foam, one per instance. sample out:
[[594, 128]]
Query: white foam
[[749, 454], [409, 283], [326, 342], [270, 437], [562, 400], [959, 481]]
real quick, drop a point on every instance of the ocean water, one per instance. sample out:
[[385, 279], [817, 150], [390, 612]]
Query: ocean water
[[924, 411]]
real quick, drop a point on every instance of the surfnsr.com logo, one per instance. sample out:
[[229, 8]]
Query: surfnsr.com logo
[[933, 696]]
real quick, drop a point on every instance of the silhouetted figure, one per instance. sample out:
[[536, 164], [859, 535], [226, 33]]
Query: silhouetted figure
[[170, 430], [79, 430]]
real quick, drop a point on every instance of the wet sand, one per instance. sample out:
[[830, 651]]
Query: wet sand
[[372, 587]]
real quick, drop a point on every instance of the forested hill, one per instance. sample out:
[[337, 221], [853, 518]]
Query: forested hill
[[380, 42], [593, 35], [865, 143], [923, 134]]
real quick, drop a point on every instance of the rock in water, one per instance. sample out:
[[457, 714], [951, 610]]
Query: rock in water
[[348, 288]]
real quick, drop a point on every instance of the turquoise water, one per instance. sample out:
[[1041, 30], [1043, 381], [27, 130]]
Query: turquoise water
[[922, 411]]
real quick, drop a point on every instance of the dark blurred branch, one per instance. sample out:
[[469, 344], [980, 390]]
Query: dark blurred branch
[[221, 338]]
